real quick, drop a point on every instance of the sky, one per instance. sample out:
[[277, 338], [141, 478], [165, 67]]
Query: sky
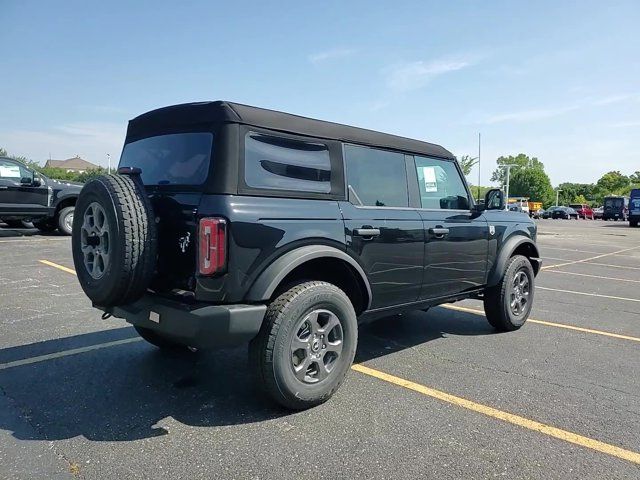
[[555, 80]]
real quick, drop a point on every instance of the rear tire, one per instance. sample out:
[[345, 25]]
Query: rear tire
[[306, 345], [508, 304], [114, 240]]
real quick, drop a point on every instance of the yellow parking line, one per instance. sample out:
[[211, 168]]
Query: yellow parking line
[[595, 276], [588, 259], [552, 324], [59, 267], [589, 294], [66, 353], [558, 433]]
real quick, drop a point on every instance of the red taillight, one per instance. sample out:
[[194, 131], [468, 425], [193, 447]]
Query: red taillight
[[212, 238]]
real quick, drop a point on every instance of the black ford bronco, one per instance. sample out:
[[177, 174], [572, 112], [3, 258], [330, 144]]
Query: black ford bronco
[[29, 196], [229, 224]]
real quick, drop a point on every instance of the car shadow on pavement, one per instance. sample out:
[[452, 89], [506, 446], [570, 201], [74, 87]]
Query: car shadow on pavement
[[126, 391], [25, 232]]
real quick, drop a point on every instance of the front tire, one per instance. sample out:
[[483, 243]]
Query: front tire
[[65, 220], [508, 304], [306, 345]]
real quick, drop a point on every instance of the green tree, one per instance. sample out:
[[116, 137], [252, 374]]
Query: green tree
[[635, 177], [533, 183], [467, 162], [580, 199], [611, 182], [521, 160]]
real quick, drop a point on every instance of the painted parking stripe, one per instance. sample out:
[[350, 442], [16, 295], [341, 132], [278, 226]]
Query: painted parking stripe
[[612, 297], [595, 276], [624, 267], [59, 267], [545, 429], [67, 353], [552, 324], [589, 259]]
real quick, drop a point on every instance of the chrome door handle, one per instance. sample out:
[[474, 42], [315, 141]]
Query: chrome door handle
[[439, 232], [366, 232]]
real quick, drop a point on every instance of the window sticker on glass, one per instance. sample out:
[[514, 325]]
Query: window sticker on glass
[[10, 171], [430, 184]]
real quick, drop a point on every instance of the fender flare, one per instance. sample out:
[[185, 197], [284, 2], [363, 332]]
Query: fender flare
[[505, 254], [267, 282]]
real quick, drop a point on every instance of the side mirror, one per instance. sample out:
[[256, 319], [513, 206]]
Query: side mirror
[[36, 182], [494, 199]]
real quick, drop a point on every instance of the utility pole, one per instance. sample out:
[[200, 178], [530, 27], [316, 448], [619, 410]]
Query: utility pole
[[557, 195], [109, 163], [478, 167], [508, 167]]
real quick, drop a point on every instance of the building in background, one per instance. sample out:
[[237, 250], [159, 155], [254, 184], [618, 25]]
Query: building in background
[[75, 164]]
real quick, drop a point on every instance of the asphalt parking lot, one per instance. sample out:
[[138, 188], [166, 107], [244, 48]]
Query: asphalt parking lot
[[434, 394]]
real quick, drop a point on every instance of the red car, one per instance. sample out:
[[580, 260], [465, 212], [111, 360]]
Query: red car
[[584, 211]]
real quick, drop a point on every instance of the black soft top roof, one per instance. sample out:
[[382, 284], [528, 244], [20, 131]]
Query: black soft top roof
[[193, 114]]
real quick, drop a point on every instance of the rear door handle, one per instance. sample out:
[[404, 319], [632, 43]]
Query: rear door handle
[[366, 232], [439, 232]]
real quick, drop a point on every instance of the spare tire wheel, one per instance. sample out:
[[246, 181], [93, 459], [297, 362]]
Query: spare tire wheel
[[114, 240]]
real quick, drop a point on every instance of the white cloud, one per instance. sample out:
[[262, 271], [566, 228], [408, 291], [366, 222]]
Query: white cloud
[[333, 54], [415, 75], [528, 115], [615, 99], [90, 140], [625, 124]]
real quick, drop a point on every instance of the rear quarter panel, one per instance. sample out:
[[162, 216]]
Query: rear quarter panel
[[261, 229]]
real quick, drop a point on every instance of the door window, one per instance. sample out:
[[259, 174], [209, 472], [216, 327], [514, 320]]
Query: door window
[[440, 184], [376, 177], [13, 171]]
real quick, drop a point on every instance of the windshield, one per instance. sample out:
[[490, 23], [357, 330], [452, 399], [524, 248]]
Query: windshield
[[614, 202], [175, 159], [575, 206]]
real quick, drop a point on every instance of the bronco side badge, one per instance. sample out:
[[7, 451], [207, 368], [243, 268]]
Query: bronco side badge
[[183, 242], [492, 230]]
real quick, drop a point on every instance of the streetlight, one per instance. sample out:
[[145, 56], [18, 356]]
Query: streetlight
[[557, 195], [508, 166], [109, 163]]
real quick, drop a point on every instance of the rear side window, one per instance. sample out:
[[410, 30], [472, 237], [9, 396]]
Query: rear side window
[[440, 185], [175, 159], [278, 163], [376, 177]]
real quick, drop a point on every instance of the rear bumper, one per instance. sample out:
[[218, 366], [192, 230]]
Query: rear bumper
[[198, 325]]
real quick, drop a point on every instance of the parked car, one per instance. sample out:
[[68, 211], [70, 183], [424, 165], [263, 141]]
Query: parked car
[[634, 207], [539, 213], [29, 196], [615, 208], [229, 224], [584, 210], [548, 212], [598, 212], [567, 213]]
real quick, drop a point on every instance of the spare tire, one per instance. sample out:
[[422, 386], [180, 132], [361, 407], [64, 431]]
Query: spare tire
[[114, 240]]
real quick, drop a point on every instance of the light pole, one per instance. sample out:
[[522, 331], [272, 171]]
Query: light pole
[[109, 163], [508, 166], [557, 195]]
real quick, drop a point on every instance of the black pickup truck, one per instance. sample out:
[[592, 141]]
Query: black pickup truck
[[229, 224], [26, 195]]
